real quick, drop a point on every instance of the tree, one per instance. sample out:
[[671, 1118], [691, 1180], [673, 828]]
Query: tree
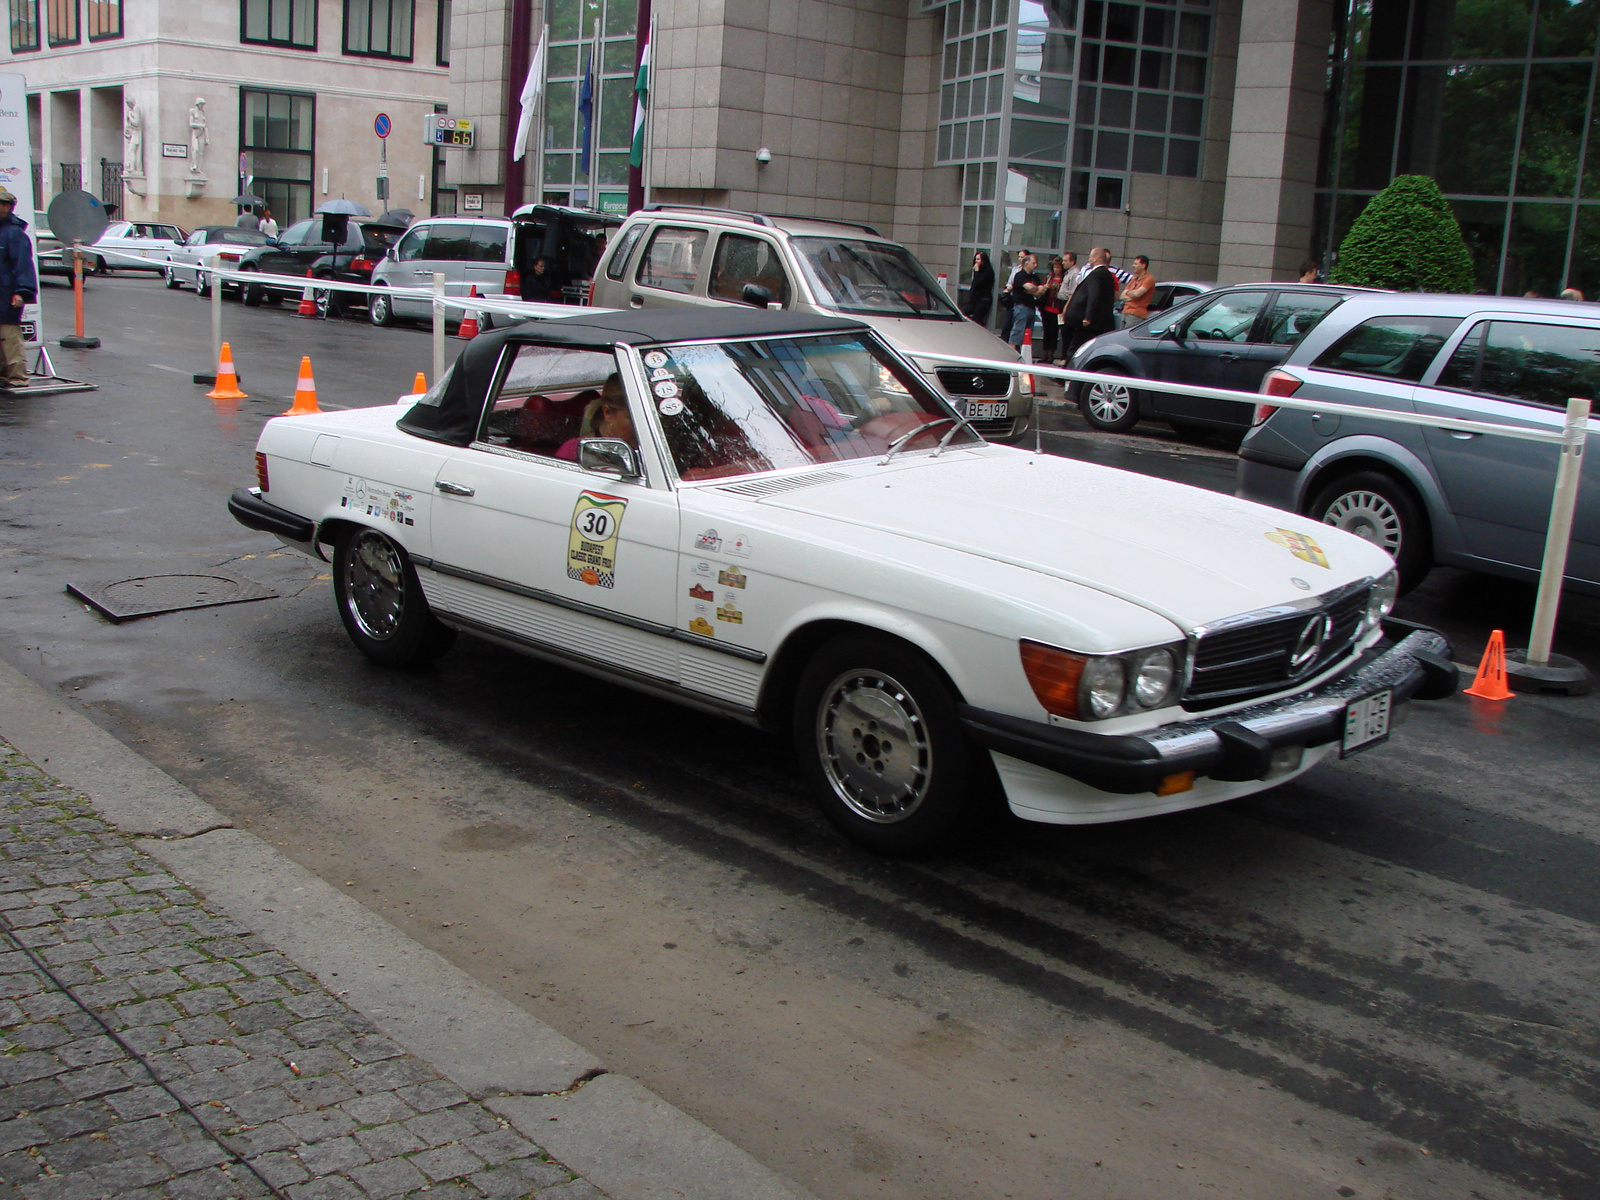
[[1407, 239]]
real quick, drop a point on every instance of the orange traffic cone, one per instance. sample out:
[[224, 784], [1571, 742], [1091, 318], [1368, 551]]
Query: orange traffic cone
[[469, 319], [227, 382], [308, 306], [420, 385], [1491, 681], [305, 392], [1027, 356]]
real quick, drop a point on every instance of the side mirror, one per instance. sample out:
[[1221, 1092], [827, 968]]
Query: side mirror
[[610, 456], [389, 254], [755, 295]]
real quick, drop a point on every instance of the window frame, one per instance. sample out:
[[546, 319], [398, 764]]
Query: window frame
[[309, 155], [282, 43], [386, 55], [25, 7], [785, 292], [1446, 339], [442, 20], [1268, 296], [68, 8], [104, 6], [699, 266]]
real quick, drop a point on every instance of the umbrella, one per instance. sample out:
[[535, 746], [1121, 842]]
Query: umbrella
[[400, 217], [246, 200], [341, 205]]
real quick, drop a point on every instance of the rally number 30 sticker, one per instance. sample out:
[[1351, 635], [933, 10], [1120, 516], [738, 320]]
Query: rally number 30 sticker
[[592, 542]]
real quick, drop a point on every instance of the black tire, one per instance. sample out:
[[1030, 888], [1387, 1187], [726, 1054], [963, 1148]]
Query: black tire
[[379, 310], [201, 287], [327, 302], [381, 602], [101, 267], [1376, 506], [1111, 407], [169, 278], [877, 736], [254, 294]]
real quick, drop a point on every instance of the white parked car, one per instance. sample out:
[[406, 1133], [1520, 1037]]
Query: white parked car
[[146, 239], [211, 246], [773, 517]]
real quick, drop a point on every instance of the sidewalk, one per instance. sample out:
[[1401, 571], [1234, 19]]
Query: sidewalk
[[268, 1036]]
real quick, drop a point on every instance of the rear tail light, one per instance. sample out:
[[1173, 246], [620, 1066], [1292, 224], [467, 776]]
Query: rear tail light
[[362, 264], [513, 282], [591, 293], [228, 257], [1263, 411], [1280, 383], [261, 472]]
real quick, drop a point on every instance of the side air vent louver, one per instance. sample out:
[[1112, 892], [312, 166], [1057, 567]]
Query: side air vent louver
[[788, 483]]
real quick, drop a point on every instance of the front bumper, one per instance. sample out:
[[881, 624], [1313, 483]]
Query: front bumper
[[251, 511], [1413, 660]]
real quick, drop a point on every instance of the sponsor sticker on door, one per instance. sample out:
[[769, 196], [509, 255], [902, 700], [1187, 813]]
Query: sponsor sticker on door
[[592, 541]]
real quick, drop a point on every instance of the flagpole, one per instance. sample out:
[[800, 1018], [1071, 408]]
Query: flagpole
[[644, 24], [597, 73], [516, 71], [539, 116]]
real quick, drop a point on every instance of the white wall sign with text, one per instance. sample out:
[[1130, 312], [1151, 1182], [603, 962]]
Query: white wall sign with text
[[174, 150], [16, 172]]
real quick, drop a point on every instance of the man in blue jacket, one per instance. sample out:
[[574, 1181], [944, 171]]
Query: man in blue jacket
[[19, 285]]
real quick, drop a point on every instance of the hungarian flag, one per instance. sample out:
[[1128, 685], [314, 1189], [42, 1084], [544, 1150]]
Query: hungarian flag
[[641, 93]]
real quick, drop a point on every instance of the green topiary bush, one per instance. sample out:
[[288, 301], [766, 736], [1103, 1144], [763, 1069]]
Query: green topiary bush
[[1407, 239]]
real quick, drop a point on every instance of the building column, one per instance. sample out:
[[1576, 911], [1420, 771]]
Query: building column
[[1275, 140]]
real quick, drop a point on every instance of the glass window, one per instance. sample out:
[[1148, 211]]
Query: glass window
[[550, 396], [866, 278], [378, 28], [1461, 372], [411, 246], [441, 43], [280, 23], [277, 130], [105, 20], [672, 259], [1389, 347], [792, 402], [488, 243], [1542, 364], [61, 26], [741, 260], [24, 25], [299, 232], [449, 242], [1228, 318], [1295, 314], [619, 257]]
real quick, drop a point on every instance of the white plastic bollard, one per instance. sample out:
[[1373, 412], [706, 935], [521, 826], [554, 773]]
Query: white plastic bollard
[[1569, 471], [438, 325]]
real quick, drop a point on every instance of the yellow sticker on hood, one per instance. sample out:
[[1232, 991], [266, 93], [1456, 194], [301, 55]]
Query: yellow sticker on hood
[[1298, 544]]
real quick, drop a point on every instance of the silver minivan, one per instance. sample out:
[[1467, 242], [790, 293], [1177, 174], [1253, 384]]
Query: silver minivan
[[1427, 495], [682, 256]]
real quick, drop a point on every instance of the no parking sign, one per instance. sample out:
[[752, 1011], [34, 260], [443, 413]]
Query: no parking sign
[[381, 125]]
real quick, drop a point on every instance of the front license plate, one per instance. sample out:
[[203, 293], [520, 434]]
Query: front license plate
[[986, 411], [1366, 723]]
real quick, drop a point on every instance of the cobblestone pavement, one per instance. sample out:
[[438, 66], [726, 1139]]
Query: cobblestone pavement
[[290, 1082]]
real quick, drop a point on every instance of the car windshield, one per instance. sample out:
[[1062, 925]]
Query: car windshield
[[871, 279], [736, 408], [239, 237]]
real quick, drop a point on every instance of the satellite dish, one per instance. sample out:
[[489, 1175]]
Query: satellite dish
[[77, 216]]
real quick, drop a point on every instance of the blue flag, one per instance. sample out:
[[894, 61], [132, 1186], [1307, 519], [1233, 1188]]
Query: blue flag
[[586, 107]]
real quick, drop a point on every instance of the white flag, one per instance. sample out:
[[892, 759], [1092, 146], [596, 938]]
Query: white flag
[[532, 88]]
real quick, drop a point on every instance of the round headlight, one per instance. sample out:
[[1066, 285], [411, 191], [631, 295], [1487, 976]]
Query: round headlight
[[1153, 680], [1380, 600], [1103, 686]]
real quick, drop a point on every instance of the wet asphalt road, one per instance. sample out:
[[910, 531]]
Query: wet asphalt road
[[1378, 980]]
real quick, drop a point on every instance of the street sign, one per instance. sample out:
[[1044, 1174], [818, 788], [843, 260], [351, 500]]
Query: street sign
[[448, 133], [381, 125]]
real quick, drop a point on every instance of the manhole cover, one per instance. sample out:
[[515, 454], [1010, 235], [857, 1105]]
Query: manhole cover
[[147, 595]]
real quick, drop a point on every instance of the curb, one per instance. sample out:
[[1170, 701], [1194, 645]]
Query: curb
[[610, 1129]]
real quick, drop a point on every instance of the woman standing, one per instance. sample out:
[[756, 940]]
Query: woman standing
[[1050, 307], [980, 292]]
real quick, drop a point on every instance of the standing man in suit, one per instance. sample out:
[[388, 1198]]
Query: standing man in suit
[[1090, 313]]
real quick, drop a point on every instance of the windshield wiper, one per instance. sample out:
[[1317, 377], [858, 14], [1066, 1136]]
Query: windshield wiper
[[961, 423], [876, 275], [894, 446]]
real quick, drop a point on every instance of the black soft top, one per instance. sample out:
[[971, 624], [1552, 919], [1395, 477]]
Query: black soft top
[[451, 414]]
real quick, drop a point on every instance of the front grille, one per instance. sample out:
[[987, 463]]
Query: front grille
[[959, 381], [1000, 427], [1256, 657]]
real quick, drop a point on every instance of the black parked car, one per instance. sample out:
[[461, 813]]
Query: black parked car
[[301, 248], [352, 262], [1228, 338]]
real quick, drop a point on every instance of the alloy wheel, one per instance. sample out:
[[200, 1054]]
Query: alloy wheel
[[1369, 516], [874, 746], [375, 585]]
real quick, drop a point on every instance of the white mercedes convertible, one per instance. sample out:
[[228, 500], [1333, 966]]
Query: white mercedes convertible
[[772, 517]]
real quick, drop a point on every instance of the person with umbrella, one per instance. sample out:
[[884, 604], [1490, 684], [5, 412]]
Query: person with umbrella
[[247, 218]]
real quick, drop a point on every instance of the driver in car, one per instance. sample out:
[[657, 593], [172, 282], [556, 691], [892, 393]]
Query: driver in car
[[606, 417]]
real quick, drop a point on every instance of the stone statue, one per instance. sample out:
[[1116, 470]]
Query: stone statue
[[199, 139], [133, 135]]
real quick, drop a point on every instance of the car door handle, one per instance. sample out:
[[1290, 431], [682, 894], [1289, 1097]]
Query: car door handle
[[1463, 435], [453, 489], [1226, 357], [636, 302]]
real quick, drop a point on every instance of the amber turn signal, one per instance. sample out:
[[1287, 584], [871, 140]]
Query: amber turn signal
[[1054, 676], [1181, 781]]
